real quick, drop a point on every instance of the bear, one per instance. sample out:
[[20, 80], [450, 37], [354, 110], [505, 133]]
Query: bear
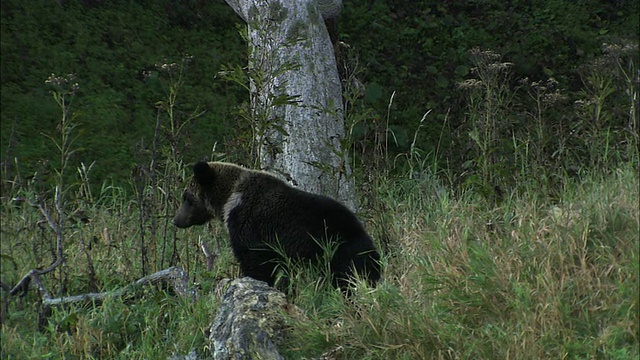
[[266, 217]]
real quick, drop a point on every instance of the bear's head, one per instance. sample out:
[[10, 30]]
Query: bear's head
[[194, 209], [207, 192]]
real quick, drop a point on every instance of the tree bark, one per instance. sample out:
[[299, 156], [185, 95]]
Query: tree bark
[[296, 100], [251, 322]]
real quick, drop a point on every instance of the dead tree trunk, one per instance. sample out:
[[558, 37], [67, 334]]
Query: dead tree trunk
[[251, 322], [296, 100]]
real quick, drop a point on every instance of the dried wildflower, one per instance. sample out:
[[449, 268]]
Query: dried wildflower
[[550, 85], [167, 67], [553, 98], [620, 50], [614, 59], [582, 104], [54, 80], [480, 56], [65, 84], [470, 84], [499, 66]]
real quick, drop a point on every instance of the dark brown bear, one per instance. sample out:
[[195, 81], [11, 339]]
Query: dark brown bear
[[263, 213]]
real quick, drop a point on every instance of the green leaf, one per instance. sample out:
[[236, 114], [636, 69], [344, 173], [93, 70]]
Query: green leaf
[[462, 70], [442, 81], [373, 92]]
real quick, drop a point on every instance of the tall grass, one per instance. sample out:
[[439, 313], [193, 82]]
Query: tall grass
[[151, 324], [523, 280], [107, 240]]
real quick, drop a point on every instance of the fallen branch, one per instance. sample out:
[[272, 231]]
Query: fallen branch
[[34, 274], [175, 276], [23, 284]]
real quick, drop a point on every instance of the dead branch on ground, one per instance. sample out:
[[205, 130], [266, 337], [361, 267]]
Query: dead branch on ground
[[23, 284], [175, 276]]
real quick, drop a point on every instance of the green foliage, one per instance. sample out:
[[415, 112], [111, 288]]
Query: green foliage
[[532, 277], [89, 240], [529, 279], [103, 254], [418, 51], [110, 47], [421, 51], [153, 326]]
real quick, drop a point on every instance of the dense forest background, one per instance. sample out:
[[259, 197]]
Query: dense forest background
[[421, 52]]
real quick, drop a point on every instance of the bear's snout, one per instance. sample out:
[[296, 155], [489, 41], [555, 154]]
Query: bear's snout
[[179, 222]]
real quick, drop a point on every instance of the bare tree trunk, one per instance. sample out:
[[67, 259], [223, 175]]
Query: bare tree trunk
[[296, 95]]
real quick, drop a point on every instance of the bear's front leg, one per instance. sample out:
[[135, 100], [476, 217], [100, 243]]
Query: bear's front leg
[[257, 263]]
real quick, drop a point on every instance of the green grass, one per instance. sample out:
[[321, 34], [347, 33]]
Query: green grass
[[528, 278], [523, 280]]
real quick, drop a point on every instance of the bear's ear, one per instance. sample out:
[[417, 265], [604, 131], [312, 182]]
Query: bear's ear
[[203, 173]]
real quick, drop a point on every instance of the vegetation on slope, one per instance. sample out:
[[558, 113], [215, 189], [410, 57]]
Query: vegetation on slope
[[508, 218], [527, 279]]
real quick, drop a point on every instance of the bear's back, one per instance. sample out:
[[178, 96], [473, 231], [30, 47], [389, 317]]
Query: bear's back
[[261, 188]]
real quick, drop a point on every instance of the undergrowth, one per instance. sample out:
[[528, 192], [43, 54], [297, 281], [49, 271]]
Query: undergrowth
[[525, 279]]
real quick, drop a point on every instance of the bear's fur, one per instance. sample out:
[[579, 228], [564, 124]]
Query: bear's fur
[[263, 213]]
